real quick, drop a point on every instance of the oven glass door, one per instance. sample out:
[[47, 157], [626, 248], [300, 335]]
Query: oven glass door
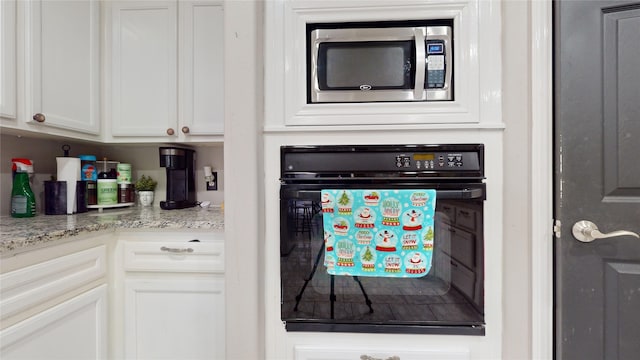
[[449, 299]]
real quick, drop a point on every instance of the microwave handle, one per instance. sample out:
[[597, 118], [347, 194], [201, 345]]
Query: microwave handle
[[421, 57]]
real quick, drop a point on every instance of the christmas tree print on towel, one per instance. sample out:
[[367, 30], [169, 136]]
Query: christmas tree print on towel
[[345, 203]]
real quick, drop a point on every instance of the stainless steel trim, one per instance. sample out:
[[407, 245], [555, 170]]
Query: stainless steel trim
[[419, 64], [172, 151]]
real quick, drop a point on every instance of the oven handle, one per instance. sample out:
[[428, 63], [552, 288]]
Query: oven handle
[[461, 194]]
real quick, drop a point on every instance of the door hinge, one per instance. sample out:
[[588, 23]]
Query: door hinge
[[557, 225]]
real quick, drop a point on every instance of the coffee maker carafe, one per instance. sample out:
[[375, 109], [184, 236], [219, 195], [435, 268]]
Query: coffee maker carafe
[[181, 189]]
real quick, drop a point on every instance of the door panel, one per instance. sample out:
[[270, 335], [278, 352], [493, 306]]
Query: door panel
[[597, 126], [621, 311], [621, 106]]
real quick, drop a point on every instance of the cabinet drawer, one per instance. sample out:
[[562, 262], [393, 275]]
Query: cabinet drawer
[[374, 352], [463, 279], [35, 284], [466, 218], [463, 247], [177, 256], [447, 213]]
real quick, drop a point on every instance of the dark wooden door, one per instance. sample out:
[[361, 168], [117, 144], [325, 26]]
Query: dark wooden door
[[597, 178]]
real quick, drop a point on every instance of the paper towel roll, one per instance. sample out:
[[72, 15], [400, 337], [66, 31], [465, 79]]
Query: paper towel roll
[[69, 171]]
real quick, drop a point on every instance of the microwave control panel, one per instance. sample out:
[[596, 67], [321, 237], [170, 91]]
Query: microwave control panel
[[435, 65]]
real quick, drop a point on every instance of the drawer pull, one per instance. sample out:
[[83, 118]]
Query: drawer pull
[[39, 117], [175, 250]]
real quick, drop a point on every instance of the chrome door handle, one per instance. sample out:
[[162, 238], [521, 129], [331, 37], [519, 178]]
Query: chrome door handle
[[586, 231]]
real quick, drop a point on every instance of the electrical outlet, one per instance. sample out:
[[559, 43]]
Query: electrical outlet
[[213, 184]]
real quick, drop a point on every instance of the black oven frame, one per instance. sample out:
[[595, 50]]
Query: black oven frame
[[458, 186]]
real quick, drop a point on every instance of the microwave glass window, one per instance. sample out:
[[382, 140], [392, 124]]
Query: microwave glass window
[[365, 65]]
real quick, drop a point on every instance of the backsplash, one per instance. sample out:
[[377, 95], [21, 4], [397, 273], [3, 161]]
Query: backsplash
[[144, 159]]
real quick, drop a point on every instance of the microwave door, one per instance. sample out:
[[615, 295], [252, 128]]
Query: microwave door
[[367, 65]]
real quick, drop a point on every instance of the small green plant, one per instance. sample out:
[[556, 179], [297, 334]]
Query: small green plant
[[146, 183]]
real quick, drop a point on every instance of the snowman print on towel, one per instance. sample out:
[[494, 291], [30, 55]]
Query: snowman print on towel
[[386, 241], [412, 220]]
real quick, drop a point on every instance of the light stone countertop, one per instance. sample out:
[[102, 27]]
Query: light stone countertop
[[20, 234]]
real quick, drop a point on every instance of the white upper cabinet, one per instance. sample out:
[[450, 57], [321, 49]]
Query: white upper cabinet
[[8, 59], [63, 64], [201, 67], [166, 70], [144, 68]]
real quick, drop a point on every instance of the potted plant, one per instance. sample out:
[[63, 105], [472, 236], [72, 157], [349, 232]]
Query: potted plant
[[145, 187]]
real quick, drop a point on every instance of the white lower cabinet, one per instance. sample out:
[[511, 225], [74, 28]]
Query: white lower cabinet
[[54, 302], [173, 297], [376, 353], [174, 318], [74, 329]]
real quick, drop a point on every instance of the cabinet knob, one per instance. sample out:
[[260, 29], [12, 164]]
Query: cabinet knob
[[39, 117], [185, 129], [170, 131]]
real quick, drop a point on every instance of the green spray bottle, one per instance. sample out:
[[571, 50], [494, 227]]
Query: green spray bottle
[[23, 201]]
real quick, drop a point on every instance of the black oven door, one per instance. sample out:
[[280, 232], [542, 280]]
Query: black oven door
[[448, 300]]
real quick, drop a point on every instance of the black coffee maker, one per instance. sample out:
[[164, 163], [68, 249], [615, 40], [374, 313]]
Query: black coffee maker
[[181, 183]]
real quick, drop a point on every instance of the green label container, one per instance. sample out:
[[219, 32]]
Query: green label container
[[124, 173], [107, 191]]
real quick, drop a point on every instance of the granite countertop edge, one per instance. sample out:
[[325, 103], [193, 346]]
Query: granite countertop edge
[[21, 234]]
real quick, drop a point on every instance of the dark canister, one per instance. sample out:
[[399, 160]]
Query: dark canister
[[92, 193], [126, 193], [81, 196], [55, 197]]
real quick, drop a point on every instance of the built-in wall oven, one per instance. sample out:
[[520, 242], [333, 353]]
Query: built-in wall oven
[[447, 298]]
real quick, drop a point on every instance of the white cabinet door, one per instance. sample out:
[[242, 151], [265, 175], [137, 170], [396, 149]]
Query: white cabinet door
[[174, 317], [144, 68], [8, 59], [201, 84], [64, 64], [74, 329]]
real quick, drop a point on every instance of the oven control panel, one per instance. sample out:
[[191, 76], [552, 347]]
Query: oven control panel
[[437, 161], [450, 161]]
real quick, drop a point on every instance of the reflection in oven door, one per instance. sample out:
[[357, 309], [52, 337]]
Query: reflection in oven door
[[449, 299]]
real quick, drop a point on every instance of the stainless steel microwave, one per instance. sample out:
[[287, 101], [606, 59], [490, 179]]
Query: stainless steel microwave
[[380, 64]]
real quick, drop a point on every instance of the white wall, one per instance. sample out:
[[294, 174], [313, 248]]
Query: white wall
[[43, 153], [144, 159], [244, 230], [516, 111]]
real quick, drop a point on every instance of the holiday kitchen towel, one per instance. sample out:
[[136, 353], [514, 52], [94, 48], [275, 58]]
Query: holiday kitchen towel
[[378, 232]]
